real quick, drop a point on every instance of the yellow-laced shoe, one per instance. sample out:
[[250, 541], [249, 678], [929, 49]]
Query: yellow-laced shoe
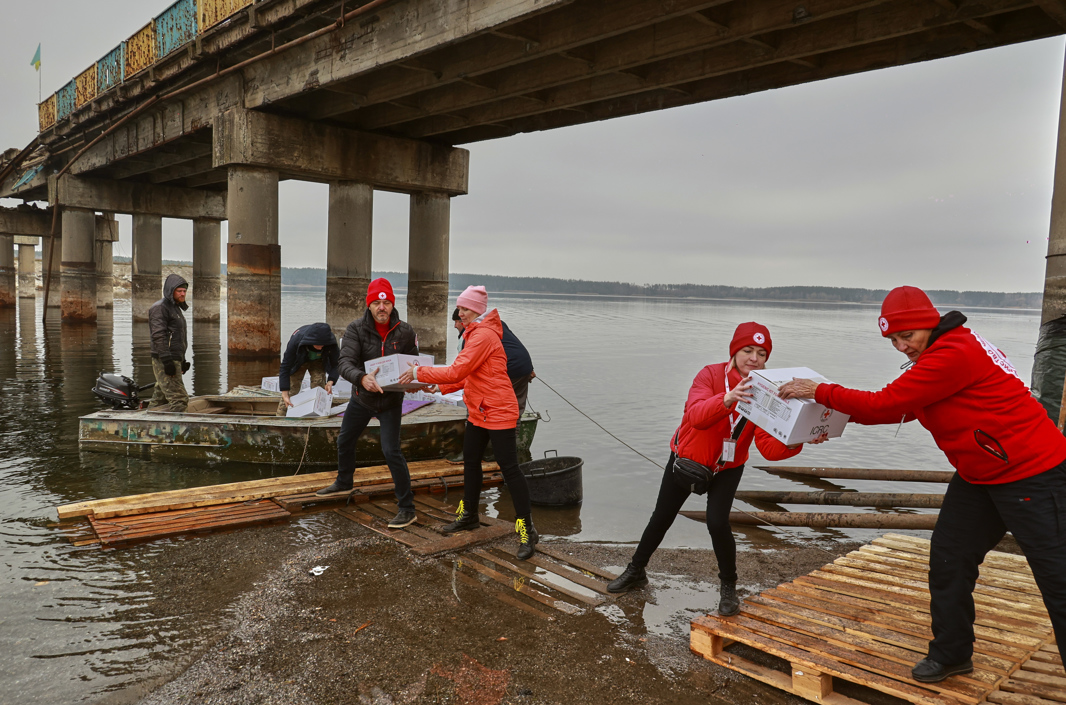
[[527, 536], [464, 521]]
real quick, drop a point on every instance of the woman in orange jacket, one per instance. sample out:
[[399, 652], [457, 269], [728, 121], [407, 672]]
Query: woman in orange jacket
[[492, 413]]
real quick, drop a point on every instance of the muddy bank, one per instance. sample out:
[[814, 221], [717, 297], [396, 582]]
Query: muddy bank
[[382, 625]]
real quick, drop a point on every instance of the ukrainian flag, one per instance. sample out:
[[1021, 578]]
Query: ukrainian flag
[[37, 58]]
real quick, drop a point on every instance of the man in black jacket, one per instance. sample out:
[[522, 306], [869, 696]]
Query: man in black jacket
[[169, 343], [378, 333], [312, 348]]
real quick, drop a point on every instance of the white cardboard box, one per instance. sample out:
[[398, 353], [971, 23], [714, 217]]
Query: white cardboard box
[[343, 388], [392, 366], [270, 384], [453, 399], [313, 402], [790, 421]]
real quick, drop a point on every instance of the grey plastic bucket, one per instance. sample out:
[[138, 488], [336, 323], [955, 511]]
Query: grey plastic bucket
[[554, 482]]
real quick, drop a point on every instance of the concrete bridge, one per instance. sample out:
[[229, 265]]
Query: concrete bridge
[[202, 112]]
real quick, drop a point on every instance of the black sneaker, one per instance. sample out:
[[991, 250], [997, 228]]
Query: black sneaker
[[405, 517], [464, 521], [334, 489], [728, 602], [527, 536], [630, 579], [930, 671]]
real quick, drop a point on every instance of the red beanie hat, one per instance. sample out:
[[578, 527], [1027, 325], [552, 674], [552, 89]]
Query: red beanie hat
[[380, 290], [751, 333], [907, 308]]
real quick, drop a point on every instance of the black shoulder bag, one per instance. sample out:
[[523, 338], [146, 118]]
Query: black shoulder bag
[[696, 477]]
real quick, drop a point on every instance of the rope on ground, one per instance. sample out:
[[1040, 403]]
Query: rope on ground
[[734, 507], [541, 379]]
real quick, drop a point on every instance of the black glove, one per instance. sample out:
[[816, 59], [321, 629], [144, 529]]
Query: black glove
[[168, 367], [185, 366]]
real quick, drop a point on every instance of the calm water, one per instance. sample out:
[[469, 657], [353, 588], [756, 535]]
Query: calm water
[[77, 623]]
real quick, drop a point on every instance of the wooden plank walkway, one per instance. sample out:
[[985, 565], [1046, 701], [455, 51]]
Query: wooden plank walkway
[[549, 579], [118, 531], [245, 491], [435, 485], [865, 619]]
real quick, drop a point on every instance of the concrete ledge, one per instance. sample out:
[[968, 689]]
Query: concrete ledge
[[136, 198]]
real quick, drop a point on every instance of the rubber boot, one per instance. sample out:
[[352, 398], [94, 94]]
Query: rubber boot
[[527, 535], [464, 521], [630, 579], [728, 603]]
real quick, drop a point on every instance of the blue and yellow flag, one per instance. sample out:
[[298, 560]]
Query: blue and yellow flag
[[37, 58]]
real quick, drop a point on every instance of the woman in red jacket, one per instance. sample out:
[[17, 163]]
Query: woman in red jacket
[[712, 433], [492, 413], [1007, 454]]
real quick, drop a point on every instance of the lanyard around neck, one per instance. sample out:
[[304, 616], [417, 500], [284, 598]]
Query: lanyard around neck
[[732, 422]]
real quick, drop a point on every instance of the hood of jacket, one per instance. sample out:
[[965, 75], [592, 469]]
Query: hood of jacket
[[317, 334], [490, 320], [175, 281], [949, 321]]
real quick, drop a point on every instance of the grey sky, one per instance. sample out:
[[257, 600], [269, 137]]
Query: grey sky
[[937, 175]]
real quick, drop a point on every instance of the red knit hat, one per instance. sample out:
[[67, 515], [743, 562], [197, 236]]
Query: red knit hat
[[380, 290], [751, 333], [907, 308]]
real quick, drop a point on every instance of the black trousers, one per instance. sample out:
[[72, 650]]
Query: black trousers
[[505, 449], [355, 420], [719, 501], [972, 521]]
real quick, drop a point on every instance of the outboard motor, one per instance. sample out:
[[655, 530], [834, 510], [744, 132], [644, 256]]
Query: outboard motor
[[119, 391]]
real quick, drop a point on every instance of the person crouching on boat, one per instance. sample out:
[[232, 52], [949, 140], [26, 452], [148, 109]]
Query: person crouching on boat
[[311, 349], [378, 333], [1009, 458], [166, 323], [480, 370], [715, 436]]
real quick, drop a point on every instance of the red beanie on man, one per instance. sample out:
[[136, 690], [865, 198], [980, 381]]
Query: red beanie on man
[[380, 290], [907, 308], [751, 333]]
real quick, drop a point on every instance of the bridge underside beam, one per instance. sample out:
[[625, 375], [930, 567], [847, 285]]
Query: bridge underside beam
[[313, 151], [584, 62], [16, 221], [136, 198]]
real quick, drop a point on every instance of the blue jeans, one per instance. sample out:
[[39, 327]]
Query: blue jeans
[[355, 420], [972, 521]]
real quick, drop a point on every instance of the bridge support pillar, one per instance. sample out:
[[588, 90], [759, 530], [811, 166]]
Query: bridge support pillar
[[51, 275], [8, 291], [253, 269], [78, 302], [427, 272], [206, 269], [106, 234], [147, 268], [27, 269], [348, 252]]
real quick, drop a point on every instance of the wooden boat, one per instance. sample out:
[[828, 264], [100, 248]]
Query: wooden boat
[[242, 427]]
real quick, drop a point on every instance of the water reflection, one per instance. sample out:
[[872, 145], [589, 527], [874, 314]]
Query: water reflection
[[27, 332], [142, 352], [8, 339], [206, 358], [250, 371]]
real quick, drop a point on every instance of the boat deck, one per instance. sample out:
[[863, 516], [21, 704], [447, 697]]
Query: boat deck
[[861, 623]]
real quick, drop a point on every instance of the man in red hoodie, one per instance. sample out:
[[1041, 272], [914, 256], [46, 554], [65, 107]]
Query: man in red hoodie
[[1010, 463]]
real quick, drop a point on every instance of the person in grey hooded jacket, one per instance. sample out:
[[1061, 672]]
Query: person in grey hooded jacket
[[169, 343]]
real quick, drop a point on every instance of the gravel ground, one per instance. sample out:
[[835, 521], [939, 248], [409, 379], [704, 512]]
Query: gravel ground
[[382, 626]]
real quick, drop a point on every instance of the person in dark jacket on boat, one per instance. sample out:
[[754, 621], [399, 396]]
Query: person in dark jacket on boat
[[312, 348], [166, 322], [378, 333], [519, 363], [1009, 460]]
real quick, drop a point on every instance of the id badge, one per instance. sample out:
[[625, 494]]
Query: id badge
[[729, 450]]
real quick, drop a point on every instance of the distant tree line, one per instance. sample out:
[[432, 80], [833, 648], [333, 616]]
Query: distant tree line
[[314, 277]]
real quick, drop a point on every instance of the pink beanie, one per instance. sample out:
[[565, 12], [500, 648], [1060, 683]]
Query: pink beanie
[[474, 298]]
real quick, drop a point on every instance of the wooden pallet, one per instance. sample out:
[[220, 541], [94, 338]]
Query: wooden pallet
[[119, 531], [436, 485], [865, 619], [550, 578]]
